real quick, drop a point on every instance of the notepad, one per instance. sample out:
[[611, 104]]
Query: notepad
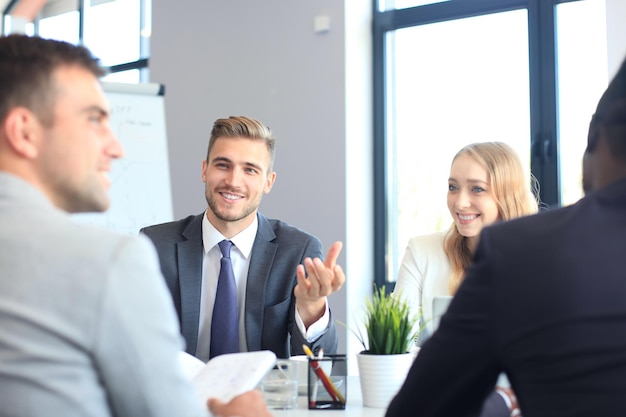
[[229, 375]]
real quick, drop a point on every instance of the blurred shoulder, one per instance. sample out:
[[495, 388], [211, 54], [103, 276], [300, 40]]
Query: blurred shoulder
[[431, 241], [534, 227], [101, 237]]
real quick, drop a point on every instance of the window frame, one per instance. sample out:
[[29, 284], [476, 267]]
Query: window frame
[[543, 141], [54, 7]]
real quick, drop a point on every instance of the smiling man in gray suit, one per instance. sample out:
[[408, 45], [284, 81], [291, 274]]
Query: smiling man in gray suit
[[282, 283]]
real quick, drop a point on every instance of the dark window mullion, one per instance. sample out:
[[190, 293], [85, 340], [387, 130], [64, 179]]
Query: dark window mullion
[[543, 99], [444, 11], [139, 64], [380, 154], [82, 6]]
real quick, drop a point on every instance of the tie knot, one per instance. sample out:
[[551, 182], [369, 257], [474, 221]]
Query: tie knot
[[225, 246]]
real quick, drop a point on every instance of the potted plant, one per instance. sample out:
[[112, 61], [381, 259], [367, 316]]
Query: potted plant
[[390, 333]]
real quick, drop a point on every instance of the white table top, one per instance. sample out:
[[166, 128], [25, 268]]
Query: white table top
[[354, 406]]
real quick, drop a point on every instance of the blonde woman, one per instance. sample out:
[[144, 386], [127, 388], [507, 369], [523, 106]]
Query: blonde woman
[[487, 184]]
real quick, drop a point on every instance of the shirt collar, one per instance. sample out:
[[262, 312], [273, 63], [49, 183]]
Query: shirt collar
[[242, 240]]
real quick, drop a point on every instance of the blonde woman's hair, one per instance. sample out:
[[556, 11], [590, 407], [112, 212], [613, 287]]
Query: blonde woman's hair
[[513, 190]]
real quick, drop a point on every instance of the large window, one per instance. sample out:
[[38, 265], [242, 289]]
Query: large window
[[116, 31], [581, 79], [449, 73]]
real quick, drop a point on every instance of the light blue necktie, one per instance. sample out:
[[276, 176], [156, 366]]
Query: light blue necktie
[[225, 322]]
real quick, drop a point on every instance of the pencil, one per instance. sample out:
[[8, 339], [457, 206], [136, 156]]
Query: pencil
[[326, 381], [321, 375], [320, 354]]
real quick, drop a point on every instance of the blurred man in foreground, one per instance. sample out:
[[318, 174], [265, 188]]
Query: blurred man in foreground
[[88, 328]]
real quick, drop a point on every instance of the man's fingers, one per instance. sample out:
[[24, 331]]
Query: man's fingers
[[216, 406], [333, 254], [340, 278]]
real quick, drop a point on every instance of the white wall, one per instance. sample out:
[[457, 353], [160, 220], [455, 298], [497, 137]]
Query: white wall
[[264, 60], [359, 163]]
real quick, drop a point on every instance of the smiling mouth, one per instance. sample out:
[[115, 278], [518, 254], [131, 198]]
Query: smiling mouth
[[230, 197], [467, 217]]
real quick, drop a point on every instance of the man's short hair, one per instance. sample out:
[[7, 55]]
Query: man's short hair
[[245, 127], [27, 66]]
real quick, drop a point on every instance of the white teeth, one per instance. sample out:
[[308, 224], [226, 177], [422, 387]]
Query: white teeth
[[467, 217], [230, 196]]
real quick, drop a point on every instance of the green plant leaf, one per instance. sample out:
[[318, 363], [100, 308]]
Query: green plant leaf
[[388, 324]]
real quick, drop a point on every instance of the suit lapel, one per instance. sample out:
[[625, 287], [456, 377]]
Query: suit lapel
[[190, 253], [261, 260]]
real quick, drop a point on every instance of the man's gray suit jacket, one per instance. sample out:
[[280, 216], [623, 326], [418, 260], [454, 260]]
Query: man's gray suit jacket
[[270, 304], [87, 326]]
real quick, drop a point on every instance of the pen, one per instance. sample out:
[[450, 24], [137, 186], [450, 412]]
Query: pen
[[321, 375], [320, 354], [326, 381]]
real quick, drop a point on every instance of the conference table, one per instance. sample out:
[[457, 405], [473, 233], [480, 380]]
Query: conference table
[[354, 405]]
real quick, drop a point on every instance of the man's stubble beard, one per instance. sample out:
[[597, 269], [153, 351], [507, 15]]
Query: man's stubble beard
[[248, 209]]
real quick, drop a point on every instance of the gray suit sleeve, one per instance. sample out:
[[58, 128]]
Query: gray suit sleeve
[[136, 340]]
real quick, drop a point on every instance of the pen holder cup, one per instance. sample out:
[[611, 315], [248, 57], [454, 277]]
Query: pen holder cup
[[328, 382]]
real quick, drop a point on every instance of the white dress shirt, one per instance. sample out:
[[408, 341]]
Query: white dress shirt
[[240, 258]]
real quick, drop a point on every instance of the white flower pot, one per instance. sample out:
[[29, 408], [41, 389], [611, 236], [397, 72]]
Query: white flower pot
[[381, 377]]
